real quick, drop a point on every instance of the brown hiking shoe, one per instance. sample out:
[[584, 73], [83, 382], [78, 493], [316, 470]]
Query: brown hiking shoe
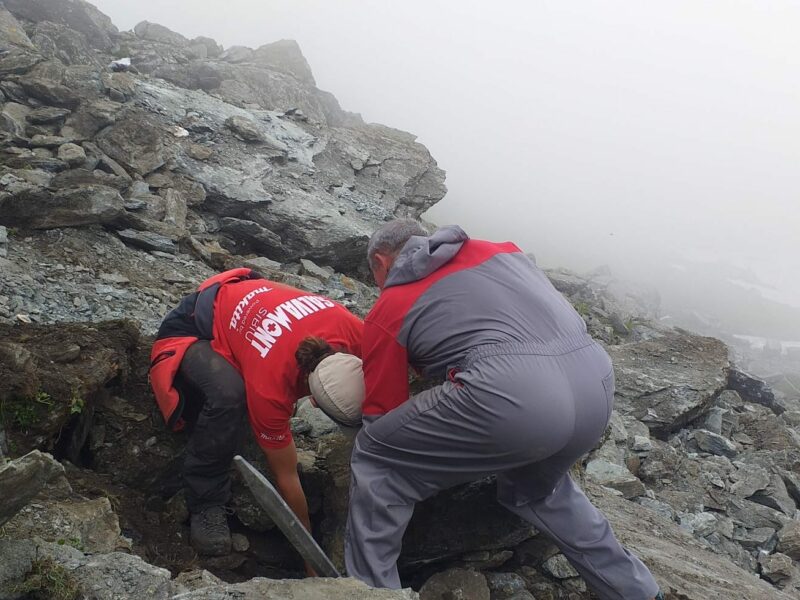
[[210, 534]]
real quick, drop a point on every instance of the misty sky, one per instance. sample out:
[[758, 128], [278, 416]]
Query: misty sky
[[631, 133]]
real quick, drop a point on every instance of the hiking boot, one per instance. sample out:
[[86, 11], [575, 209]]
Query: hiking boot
[[210, 534]]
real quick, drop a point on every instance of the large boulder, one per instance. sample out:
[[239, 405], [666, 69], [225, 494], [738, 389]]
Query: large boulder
[[669, 381], [74, 207]]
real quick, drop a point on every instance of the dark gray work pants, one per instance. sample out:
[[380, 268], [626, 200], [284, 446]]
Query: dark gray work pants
[[522, 411], [214, 408]]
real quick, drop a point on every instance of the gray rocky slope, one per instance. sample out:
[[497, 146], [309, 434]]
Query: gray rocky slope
[[122, 188]]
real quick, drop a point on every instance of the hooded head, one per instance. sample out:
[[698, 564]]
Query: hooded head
[[401, 251]]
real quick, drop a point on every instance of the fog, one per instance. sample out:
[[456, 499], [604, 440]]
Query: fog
[[642, 135]]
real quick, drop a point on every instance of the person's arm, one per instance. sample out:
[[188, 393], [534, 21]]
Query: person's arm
[[283, 465]]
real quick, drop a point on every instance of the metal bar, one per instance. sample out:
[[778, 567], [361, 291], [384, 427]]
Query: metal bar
[[270, 500]]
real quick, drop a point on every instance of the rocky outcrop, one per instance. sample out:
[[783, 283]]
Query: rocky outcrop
[[249, 128]]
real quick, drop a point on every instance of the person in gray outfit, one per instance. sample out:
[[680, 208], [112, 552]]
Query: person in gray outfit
[[526, 392]]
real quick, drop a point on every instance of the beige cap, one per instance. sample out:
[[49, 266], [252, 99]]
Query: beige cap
[[337, 385]]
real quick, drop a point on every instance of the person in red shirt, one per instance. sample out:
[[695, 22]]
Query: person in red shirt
[[236, 346]]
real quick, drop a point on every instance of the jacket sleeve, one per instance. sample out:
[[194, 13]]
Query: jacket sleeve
[[269, 418], [385, 370]]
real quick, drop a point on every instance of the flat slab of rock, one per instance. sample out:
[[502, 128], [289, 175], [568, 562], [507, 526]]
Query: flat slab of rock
[[260, 588], [148, 240], [668, 381], [22, 479]]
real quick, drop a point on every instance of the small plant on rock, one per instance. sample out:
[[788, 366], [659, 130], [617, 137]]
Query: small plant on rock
[[47, 580]]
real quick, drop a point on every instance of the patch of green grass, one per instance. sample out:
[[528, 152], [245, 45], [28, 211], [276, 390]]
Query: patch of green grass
[[583, 308], [74, 542], [48, 580]]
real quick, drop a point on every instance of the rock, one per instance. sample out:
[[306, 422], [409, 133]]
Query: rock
[[213, 49], [754, 390], [117, 575], [148, 240], [58, 42], [245, 128], [48, 141], [239, 542], [559, 567], [486, 559], [455, 583], [319, 423], [661, 508], [701, 524], [251, 235], [714, 443], [615, 476], [776, 568], [506, 586], [89, 525], [158, 33], [72, 154], [198, 152], [263, 265], [641, 444], [776, 496], [188, 581], [3, 242], [789, 540], [47, 115], [237, 54], [175, 208], [120, 87], [90, 118], [13, 117], [12, 33], [285, 56], [260, 588], [136, 142], [65, 208], [312, 269], [749, 479], [75, 14], [81, 177], [50, 92], [669, 381], [754, 539], [22, 479], [682, 565]]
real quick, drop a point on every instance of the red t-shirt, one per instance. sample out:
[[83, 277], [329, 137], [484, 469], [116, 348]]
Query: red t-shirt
[[258, 325]]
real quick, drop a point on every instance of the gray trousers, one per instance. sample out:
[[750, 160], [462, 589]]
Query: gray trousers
[[524, 412]]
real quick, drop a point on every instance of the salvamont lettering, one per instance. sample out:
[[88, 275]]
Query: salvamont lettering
[[239, 310], [264, 335]]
